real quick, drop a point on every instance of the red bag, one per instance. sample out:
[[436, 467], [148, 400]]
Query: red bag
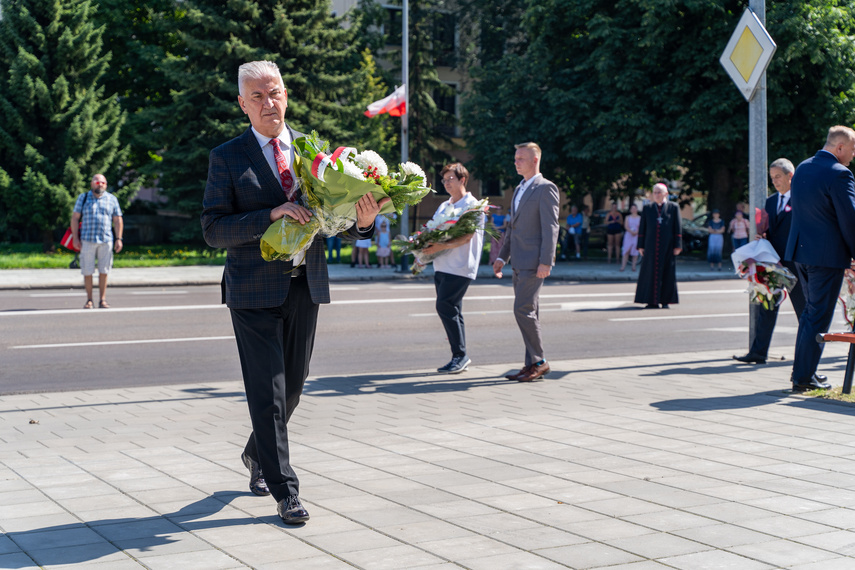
[[67, 240]]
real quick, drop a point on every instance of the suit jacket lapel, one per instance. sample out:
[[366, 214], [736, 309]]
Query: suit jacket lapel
[[266, 178], [515, 210], [294, 135], [525, 196]]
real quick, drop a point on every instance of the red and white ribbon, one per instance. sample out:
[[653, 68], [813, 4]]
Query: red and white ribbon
[[343, 153], [319, 165]]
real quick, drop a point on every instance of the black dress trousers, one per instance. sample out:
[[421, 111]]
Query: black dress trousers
[[275, 347]]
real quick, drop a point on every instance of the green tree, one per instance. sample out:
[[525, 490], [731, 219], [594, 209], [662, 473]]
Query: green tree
[[57, 125], [621, 93], [322, 67], [139, 34], [429, 141]]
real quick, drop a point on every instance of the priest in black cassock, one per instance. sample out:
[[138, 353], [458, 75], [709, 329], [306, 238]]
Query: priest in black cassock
[[660, 241]]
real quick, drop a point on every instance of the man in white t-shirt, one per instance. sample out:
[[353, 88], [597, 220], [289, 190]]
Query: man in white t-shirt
[[456, 268]]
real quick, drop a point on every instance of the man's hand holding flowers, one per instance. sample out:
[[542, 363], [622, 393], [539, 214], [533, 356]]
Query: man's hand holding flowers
[[292, 210], [367, 210]]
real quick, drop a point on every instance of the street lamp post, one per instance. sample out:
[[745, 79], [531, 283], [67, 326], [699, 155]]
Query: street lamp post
[[405, 141]]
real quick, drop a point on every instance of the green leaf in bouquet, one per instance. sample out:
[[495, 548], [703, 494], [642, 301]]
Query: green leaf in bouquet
[[403, 196]]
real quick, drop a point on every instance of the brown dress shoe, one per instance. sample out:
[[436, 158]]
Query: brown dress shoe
[[534, 372], [517, 376]]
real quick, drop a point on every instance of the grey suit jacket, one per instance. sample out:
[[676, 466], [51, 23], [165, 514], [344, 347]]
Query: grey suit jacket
[[239, 195], [532, 231]]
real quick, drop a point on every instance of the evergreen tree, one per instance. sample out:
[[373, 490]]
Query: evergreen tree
[[320, 64], [57, 125], [139, 35]]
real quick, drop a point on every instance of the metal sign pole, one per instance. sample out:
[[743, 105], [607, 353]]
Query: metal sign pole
[[757, 161]]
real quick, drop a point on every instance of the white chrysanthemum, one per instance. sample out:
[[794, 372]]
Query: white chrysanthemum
[[352, 170], [370, 159], [411, 168]]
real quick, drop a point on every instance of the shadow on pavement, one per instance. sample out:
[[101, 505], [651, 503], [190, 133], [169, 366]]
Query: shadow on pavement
[[721, 402], [419, 383], [197, 394], [130, 533]]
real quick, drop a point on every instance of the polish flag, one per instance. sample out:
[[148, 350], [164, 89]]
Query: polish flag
[[395, 104]]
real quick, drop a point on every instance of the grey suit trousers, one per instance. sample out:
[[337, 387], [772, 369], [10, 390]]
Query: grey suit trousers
[[527, 287]]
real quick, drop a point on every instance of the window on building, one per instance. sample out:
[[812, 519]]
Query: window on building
[[445, 40], [490, 187], [447, 102], [393, 25]]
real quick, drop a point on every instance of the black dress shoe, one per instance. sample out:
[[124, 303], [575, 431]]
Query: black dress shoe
[[820, 377], [291, 510], [814, 384], [651, 306], [665, 306], [750, 359], [257, 484]]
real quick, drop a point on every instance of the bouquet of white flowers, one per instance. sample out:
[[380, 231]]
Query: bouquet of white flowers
[[332, 184], [452, 224]]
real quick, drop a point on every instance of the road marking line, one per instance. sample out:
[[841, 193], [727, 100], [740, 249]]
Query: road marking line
[[675, 317], [78, 294], [39, 312], [430, 299], [158, 292], [110, 342]]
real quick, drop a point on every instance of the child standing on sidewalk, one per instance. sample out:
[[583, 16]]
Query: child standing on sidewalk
[[384, 245]]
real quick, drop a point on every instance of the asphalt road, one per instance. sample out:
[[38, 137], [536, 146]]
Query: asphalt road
[[157, 336]]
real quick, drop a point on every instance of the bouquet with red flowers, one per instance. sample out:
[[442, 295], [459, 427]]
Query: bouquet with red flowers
[[847, 296], [455, 223], [332, 183], [768, 279]]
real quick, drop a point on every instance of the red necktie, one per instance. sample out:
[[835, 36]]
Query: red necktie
[[285, 176]]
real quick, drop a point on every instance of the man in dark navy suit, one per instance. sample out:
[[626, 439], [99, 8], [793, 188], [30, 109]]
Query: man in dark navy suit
[[780, 214], [273, 305], [822, 243]]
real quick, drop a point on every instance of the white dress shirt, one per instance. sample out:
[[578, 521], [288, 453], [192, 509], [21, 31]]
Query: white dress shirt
[[524, 185], [783, 200], [288, 150]]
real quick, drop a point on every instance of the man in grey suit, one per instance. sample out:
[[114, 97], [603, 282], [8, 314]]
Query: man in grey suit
[[529, 245], [273, 305]]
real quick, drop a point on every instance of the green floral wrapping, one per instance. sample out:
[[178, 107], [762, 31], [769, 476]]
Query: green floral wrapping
[[287, 237], [332, 202]]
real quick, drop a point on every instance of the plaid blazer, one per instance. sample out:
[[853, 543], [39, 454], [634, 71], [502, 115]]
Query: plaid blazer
[[239, 195]]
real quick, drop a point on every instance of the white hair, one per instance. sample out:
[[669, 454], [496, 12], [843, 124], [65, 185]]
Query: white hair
[[784, 165], [257, 70], [661, 187]]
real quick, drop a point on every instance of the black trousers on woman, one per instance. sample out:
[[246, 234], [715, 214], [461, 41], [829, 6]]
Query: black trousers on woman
[[450, 290]]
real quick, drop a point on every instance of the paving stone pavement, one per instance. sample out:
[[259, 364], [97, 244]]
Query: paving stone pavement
[[682, 461]]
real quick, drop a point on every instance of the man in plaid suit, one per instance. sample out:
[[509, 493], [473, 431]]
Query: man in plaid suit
[[273, 305]]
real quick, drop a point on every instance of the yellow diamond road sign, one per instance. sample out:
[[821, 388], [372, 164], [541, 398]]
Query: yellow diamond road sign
[[748, 53]]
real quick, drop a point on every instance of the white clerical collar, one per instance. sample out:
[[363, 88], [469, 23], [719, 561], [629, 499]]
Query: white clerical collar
[[284, 138]]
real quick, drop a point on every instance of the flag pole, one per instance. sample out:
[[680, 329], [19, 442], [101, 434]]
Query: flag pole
[[405, 143]]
